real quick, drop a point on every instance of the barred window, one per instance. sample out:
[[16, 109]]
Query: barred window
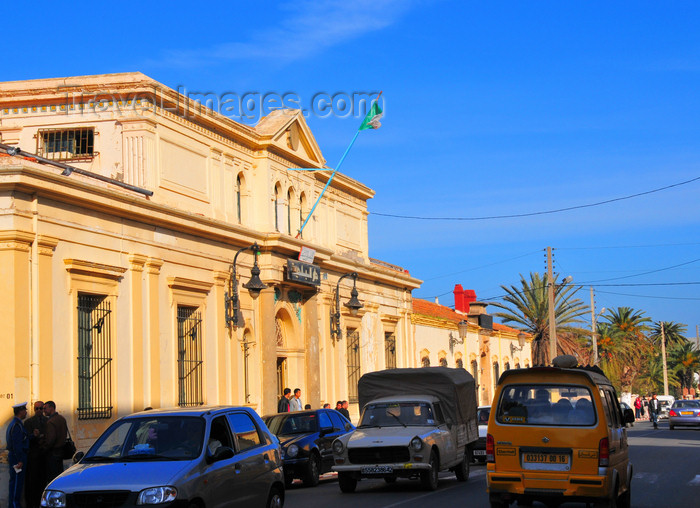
[[94, 357], [390, 348], [189, 356], [353, 354], [66, 144]]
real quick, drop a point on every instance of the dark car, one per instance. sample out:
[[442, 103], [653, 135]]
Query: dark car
[[628, 413], [482, 418], [306, 438]]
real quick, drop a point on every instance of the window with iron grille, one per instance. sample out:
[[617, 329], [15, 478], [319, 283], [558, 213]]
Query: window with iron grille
[[390, 348], [66, 144], [94, 357], [353, 354], [189, 357]]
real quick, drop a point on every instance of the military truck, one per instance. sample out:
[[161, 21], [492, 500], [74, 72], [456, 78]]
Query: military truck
[[414, 423]]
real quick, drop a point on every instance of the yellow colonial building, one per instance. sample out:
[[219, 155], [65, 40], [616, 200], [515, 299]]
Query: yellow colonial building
[[117, 275]]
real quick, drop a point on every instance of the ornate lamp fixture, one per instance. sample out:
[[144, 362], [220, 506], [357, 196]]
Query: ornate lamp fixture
[[232, 304], [520, 346], [353, 304], [462, 328]]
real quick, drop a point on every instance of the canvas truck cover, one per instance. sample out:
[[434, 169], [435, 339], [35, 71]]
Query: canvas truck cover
[[454, 387]]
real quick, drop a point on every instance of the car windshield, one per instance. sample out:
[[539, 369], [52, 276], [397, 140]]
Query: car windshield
[[689, 404], [535, 404], [394, 414], [482, 415], [149, 438], [286, 424]]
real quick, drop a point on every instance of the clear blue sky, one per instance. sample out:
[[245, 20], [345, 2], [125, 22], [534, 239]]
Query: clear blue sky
[[492, 108]]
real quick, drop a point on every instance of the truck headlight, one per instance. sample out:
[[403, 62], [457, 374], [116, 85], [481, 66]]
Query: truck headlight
[[54, 498], [338, 447], [417, 444], [157, 495], [292, 451]]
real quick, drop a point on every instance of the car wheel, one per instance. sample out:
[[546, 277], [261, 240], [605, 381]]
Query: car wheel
[[312, 471], [462, 471], [625, 500], [275, 499], [611, 502], [497, 503], [347, 483], [429, 478], [288, 480]]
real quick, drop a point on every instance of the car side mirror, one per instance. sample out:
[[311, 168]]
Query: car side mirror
[[325, 430], [78, 456], [221, 453], [348, 427]]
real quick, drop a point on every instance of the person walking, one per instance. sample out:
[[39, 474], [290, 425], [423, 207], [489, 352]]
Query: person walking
[[17, 444], [654, 408], [645, 406], [295, 403], [283, 404], [56, 434], [637, 408], [36, 466], [344, 410]]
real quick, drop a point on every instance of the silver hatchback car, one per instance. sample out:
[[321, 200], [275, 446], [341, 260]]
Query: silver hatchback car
[[207, 457]]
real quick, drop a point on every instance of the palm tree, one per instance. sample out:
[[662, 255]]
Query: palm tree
[[674, 332], [685, 362], [629, 344], [527, 307]]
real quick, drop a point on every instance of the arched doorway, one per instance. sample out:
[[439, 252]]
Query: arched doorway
[[291, 371]]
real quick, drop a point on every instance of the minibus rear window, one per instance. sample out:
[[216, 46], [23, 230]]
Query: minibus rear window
[[546, 404]]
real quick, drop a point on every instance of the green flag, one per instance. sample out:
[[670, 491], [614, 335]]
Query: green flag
[[371, 121]]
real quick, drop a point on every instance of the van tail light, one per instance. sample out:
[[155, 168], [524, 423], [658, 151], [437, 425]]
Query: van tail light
[[672, 413], [604, 452], [490, 449]]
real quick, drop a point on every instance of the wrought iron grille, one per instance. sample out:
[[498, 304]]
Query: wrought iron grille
[[390, 350], [189, 357], [94, 357], [66, 144], [353, 353]]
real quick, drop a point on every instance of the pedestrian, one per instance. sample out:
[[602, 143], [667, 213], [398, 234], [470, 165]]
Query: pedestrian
[[36, 458], [56, 434], [283, 404], [17, 444], [344, 409], [645, 406], [307, 406], [327, 405], [654, 408], [637, 408], [295, 403]]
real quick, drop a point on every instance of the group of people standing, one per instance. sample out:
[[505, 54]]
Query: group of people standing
[[36, 451], [289, 402], [651, 406]]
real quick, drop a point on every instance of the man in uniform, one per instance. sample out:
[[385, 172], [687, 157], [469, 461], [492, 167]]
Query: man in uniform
[[36, 467], [17, 444]]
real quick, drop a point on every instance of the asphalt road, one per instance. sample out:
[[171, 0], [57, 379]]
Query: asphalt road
[[666, 473]]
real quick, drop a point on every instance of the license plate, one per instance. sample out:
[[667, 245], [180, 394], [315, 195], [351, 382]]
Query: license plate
[[376, 470], [546, 461], [479, 452], [687, 413]]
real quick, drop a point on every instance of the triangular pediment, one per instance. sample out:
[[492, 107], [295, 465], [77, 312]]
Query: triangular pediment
[[287, 131]]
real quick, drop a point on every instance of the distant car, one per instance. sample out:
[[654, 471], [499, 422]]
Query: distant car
[[306, 438], [665, 403], [628, 413], [482, 418], [199, 456], [684, 412]]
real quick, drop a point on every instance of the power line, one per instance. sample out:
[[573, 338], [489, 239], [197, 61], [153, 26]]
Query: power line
[[649, 296], [483, 266], [631, 246], [642, 273], [544, 212]]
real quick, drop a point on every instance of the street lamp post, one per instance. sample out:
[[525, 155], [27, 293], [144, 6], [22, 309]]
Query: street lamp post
[[520, 346], [462, 328], [254, 286], [353, 304]]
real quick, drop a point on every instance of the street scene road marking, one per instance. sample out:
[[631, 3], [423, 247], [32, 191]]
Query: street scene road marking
[[646, 477], [695, 482]]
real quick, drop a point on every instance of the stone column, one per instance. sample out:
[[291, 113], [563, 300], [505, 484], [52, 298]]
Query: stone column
[[311, 347], [46, 246], [153, 319], [136, 263], [268, 351]]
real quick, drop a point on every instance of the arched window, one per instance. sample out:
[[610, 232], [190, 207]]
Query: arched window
[[238, 198], [443, 362], [301, 213], [425, 361], [277, 203], [496, 373], [507, 366], [517, 365], [289, 211], [459, 363]]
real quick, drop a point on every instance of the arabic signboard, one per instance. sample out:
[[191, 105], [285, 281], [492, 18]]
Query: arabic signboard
[[306, 273]]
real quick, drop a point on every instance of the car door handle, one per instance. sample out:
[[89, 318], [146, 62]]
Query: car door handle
[[613, 450], [237, 467], [266, 458]]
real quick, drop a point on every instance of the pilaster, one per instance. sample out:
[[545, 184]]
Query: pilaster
[[153, 266], [136, 266]]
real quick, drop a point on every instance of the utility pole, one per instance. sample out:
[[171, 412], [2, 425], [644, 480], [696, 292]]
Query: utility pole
[[663, 354], [594, 334], [552, 319]]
